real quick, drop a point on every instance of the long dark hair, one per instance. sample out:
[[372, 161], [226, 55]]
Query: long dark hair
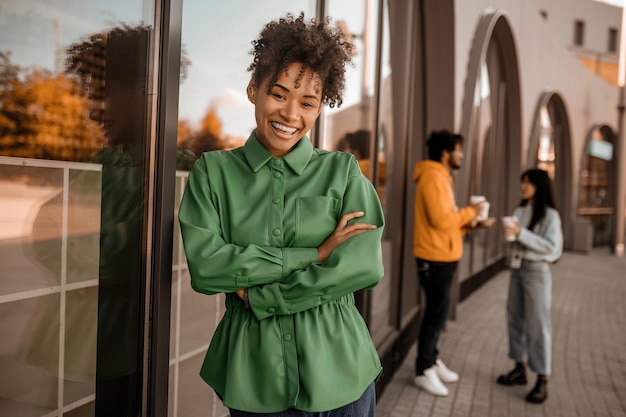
[[543, 198]]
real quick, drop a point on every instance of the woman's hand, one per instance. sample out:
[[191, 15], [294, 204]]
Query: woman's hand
[[512, 228], [343, 232]]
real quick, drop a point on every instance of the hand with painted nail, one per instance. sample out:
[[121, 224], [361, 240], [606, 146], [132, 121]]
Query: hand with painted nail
[[343, 232]]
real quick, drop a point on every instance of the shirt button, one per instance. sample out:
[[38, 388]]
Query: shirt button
[[271, 310], [287, 337], [278, 163], [276, 200], [276, 174], [276, 232]]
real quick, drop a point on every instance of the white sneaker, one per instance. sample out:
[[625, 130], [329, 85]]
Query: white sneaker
[[431, 383], [444, 373]]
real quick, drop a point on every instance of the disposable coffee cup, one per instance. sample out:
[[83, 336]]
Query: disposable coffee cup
[[484, 209], [509, 221]]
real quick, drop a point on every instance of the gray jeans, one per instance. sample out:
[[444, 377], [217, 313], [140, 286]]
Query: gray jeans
[[363, 407], [528, 310]]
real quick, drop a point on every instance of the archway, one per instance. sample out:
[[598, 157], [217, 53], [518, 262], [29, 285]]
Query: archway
[[491, 125]]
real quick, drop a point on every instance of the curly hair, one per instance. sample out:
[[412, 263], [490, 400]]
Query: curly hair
[[442, 140], [318, 47]]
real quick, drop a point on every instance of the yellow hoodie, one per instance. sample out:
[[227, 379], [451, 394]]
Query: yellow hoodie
[[439, 224]]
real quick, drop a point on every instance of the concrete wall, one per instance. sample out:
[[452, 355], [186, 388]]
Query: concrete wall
[[598, 18]]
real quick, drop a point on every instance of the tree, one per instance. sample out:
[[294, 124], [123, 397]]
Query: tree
[[208, 138]]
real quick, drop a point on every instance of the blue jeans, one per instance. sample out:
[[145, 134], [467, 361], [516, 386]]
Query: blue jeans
[[363, 407], [528, 311], [436, 279]]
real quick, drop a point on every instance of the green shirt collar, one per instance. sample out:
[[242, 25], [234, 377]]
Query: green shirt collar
[[257, 156]]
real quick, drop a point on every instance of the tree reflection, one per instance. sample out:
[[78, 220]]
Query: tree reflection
[[44, 115]]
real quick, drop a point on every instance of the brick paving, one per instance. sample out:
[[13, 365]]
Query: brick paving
[[589, 350]]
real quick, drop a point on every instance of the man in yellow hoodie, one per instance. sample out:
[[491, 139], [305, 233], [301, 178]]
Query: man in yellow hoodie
[[437, 247]]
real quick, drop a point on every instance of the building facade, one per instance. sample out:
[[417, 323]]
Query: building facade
[[105, 107]]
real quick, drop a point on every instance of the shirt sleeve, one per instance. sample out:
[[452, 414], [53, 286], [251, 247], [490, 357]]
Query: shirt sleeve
[[356, 264], [217, 266], [439, 205], [549, 241]]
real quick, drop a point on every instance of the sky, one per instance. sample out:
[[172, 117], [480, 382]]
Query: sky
[[218, 73], [619, 3], [216, 37]]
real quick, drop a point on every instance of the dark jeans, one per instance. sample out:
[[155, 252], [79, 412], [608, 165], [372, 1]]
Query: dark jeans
[[436, 280], [363, 407]]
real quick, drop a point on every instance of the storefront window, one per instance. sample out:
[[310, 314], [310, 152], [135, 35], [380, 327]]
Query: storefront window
[[74, 132]]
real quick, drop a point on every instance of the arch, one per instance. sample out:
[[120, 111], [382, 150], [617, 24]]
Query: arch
[[552, 103], [491, 126], [494, 31]]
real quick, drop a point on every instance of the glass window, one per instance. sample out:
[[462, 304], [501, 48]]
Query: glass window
[[545, 151], [595, 198], [579, 33], [612, 44], [381, 317], [352, 128], [479, 153], [74, 130], [485, 171]]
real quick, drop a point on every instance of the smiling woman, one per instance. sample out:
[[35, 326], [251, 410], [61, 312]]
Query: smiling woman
[[289, 110], [288, 232]]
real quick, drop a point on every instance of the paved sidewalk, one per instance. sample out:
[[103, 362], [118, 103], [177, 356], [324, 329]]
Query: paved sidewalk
[[589, 350]]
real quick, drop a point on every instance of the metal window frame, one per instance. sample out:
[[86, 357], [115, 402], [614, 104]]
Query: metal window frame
[[168, 25]]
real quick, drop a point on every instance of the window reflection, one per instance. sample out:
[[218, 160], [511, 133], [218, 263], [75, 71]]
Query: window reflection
[[359, 144], [65, 115], [477, 152], [483, 129], [352, 128], [45, 115], [358, 21], [485, 149], [382, 317]]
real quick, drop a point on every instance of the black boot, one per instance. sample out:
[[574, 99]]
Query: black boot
[[516, 377], [540, 392]]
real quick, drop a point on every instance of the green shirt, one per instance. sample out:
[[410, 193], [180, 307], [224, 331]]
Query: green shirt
[[251, 220]]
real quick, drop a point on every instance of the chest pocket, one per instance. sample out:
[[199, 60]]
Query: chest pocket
[[316, 218]]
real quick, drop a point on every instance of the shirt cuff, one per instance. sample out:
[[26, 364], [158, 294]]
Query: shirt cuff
[[267, 301], [295, 259], [522, 236]]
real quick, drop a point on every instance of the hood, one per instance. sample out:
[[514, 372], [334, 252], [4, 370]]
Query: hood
[[428, 166]]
